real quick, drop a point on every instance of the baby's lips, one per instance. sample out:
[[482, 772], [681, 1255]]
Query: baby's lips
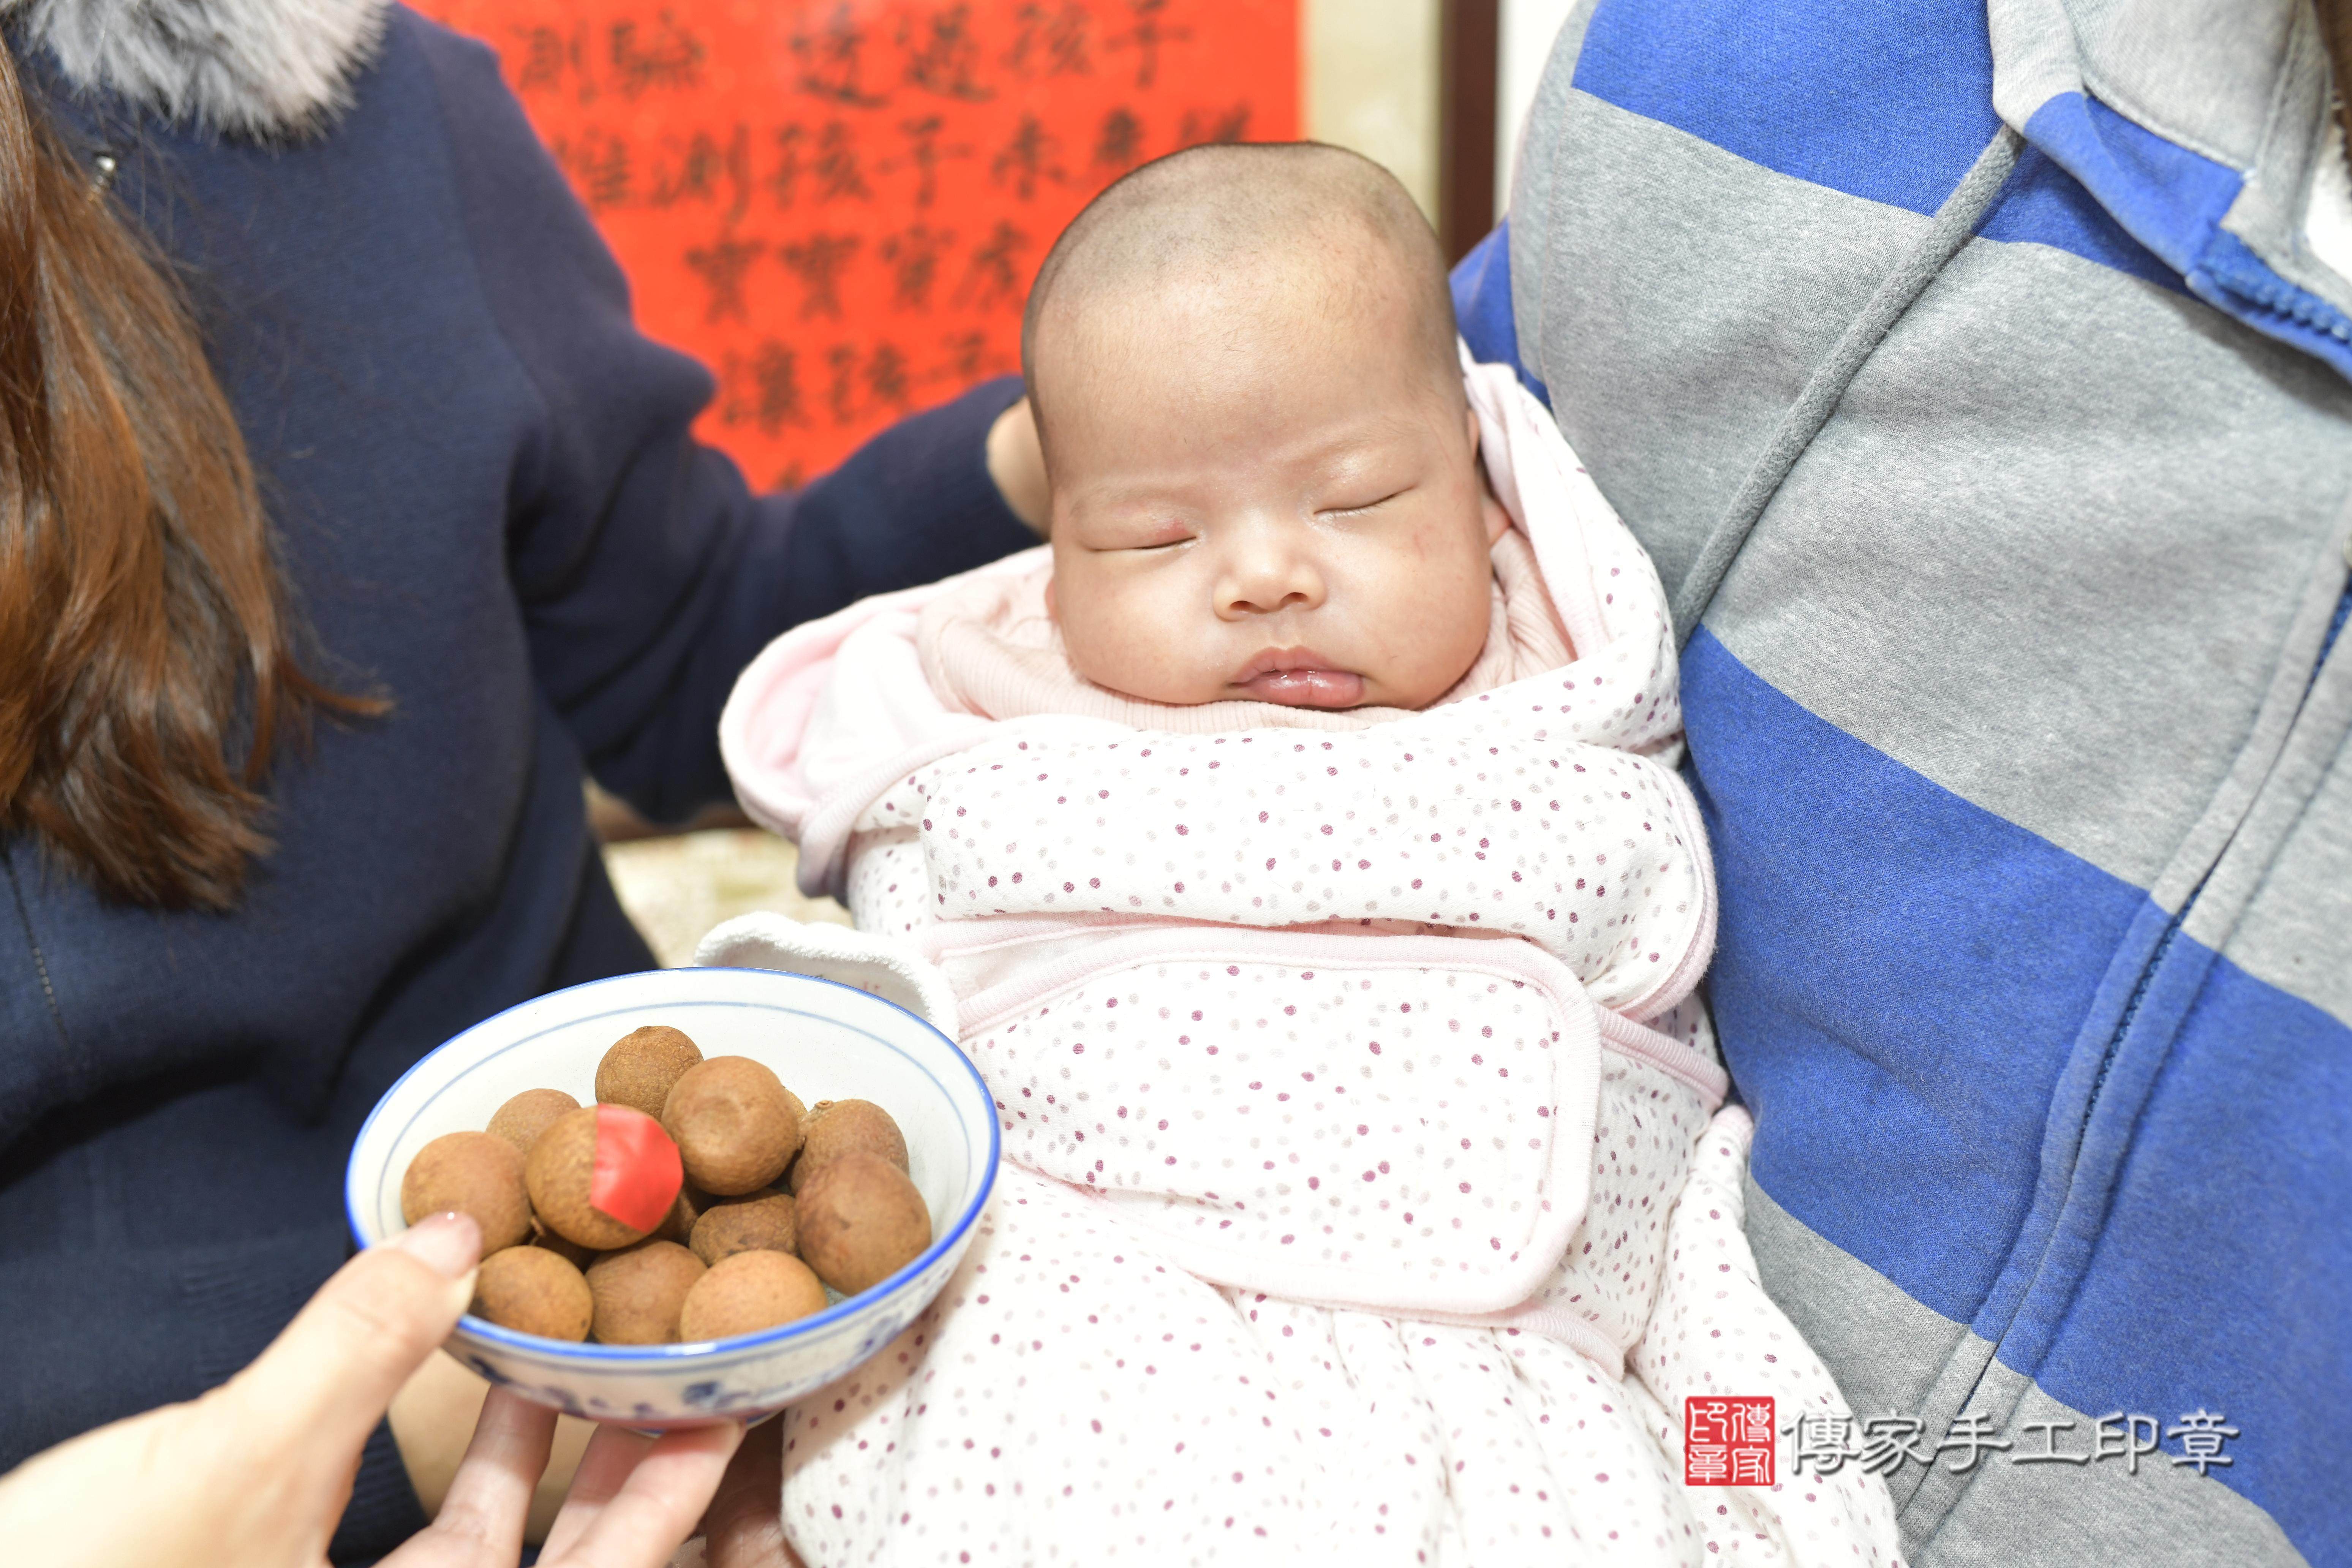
[[1307, 687]]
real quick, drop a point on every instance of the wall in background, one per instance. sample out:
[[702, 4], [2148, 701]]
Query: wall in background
[[1373, 79], [1528, 28], [1372, 85]]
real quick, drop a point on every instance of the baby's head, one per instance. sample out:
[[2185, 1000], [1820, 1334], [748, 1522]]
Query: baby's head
[[1264, 471]]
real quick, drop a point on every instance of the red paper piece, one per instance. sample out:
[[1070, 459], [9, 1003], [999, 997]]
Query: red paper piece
[[638, 1172], [837, 205]]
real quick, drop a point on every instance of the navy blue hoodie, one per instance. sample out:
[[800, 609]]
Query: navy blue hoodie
[[492, 511]]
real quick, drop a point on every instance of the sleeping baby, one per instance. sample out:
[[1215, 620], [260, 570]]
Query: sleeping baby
[[1284, 507], [1294, 846]]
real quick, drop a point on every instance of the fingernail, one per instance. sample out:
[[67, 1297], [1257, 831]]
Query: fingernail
[[448, 1244]]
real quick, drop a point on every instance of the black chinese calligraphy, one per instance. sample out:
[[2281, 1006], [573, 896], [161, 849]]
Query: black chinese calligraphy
[[913, 254], [942, 55], [816, 262], [1028, 156], [996, 277], [1051, 40], [832, 58], [722, 266]]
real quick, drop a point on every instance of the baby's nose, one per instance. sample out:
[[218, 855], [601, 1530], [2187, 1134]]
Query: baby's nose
[[1265, 600], [1268, 574]]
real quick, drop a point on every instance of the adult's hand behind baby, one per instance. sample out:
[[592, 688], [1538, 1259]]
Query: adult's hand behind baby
[[257, 1471]]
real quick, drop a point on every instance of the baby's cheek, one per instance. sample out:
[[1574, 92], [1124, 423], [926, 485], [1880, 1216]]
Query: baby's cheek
[[1448, 575], [1442, 606], [1081, 639], [1111, 632]]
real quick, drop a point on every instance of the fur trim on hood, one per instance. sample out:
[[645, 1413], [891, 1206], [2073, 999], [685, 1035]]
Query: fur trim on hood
[[256, 69]]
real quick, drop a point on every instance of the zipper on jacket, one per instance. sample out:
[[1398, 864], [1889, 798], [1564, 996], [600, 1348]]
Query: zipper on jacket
[[2172, 927], [2145, 982], [2334, 630], [2131, 1008]]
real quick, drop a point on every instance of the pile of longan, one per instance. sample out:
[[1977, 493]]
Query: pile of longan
[[774, 1202]]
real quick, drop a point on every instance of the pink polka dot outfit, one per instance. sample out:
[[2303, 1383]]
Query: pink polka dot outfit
[[1365, 1198]]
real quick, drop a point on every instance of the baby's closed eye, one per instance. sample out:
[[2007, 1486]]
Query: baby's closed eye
[[1355, 507], [1134, 533]]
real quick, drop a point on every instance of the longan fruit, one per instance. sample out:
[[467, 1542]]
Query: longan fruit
[[534, 1291], [799, 1114], [562, 1176], [521, 1120], [833, 1126], [756, 1222], [563, 1246], [734, 1124], [642, 1065], [473, 1174], [748, 1292], [678, 1224], [638, 1291], [860, 1221]]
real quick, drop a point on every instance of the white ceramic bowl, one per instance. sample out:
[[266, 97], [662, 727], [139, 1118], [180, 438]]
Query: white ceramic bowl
[[826, 1042]]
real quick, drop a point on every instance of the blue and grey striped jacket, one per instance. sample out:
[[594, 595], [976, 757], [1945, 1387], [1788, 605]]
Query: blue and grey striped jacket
[[1984, 405]]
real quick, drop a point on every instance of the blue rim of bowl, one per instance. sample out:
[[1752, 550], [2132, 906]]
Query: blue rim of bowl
[[575, 1352]]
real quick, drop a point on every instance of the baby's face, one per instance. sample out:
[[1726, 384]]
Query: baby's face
[[1263, 503]]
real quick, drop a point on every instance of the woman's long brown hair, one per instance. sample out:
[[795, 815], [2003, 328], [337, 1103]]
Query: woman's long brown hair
[[147, 667]]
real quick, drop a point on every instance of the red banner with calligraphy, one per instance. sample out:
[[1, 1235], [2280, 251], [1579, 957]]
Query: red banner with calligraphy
[[839, 206]]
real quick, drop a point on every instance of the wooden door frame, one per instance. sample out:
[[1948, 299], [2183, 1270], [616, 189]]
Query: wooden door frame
[[1469, 42]]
